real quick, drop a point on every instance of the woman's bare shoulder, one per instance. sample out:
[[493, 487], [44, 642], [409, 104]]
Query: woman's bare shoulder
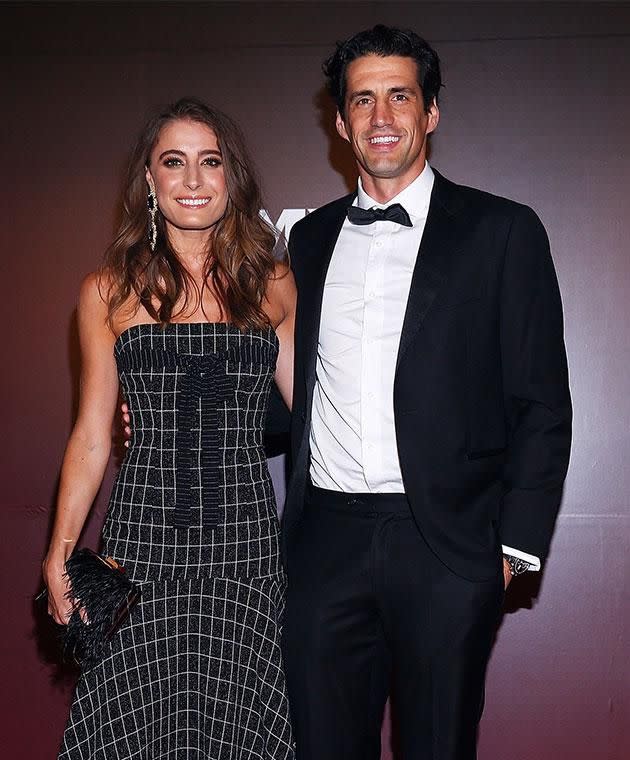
[[93, 290], [97, 291], [281, 283], [280, 293]]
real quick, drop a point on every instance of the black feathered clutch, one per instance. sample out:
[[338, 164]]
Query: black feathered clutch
[[99, 586]]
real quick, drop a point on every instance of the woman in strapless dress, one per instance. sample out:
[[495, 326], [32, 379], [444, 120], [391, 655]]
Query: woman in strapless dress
[[191, 317]]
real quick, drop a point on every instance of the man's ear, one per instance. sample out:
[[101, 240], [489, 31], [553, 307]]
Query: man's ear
[[433, 114], [341, 127]]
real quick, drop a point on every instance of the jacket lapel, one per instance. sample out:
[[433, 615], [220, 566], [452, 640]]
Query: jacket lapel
[[440, 241]]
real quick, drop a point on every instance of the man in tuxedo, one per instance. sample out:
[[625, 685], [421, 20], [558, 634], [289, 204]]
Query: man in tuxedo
[[431, 425]]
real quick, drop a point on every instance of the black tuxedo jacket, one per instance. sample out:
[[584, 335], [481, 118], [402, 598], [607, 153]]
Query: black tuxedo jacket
[[481, 397]]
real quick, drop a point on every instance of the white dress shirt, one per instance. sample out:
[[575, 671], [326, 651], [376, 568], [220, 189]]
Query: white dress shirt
[[353, 433]]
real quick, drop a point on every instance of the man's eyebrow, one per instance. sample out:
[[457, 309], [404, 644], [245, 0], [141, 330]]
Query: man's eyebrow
[[390, 91], [401, 89], [176, 152], [360, 93]]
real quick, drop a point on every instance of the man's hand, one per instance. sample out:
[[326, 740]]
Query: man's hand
[[507, 573], [126, 422]]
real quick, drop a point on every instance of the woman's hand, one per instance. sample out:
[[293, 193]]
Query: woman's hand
[[59, 606]]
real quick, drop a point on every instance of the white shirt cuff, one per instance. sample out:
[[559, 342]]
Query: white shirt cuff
[[534, 562]]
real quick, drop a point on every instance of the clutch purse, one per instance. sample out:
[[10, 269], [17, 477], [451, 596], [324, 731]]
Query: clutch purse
[[99, 586]]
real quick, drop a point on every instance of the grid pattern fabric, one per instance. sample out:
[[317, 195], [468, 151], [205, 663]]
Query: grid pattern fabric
[[196, 670]]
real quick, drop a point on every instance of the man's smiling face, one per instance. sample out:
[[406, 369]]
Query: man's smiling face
[[385, 120]]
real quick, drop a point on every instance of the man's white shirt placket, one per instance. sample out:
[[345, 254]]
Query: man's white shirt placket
[[353, 434]]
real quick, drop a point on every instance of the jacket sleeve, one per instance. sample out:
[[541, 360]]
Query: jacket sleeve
[[536, 388]]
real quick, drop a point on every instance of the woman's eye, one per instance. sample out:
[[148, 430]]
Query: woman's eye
[[172, 161], [211, 161]]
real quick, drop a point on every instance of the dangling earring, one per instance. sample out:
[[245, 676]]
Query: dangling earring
[[152, 206]]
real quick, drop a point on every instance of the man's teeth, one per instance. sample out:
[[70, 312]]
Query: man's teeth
[[193, 201], [385, 139]]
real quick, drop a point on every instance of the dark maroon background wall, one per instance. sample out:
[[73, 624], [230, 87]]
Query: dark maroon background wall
[[536, 108]]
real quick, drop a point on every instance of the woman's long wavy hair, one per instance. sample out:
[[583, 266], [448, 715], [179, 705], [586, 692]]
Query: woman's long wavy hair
[[240, 257]]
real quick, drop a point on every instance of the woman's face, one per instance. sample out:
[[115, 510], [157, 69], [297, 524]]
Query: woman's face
[[186, 171]]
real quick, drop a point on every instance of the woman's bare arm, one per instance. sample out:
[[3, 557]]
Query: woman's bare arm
[[89, 444], [282, 293]]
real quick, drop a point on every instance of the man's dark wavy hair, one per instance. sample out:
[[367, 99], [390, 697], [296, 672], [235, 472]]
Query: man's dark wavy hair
[[384, 40]]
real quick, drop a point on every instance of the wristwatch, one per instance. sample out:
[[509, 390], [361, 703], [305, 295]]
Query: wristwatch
[[517, 566]]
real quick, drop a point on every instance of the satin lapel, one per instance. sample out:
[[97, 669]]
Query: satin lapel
[[312, 298], [440, 240]]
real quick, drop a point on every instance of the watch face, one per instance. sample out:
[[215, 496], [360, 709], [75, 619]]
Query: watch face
[[517, 566]]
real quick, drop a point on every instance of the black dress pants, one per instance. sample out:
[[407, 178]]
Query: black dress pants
[[371, 611]]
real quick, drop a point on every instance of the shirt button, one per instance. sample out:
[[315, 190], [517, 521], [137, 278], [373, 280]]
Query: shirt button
[[378, 244]]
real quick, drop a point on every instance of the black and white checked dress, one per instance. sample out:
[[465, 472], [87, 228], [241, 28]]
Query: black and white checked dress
[[196, 671]]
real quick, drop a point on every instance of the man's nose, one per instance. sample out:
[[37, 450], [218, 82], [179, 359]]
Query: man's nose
[[382, 114]]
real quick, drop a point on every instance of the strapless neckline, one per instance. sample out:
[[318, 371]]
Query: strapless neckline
[[198, 325]]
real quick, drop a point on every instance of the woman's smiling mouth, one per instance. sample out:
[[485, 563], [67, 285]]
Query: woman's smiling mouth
[[193, 202]]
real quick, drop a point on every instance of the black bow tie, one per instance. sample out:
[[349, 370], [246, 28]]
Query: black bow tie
[[394, 213]]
